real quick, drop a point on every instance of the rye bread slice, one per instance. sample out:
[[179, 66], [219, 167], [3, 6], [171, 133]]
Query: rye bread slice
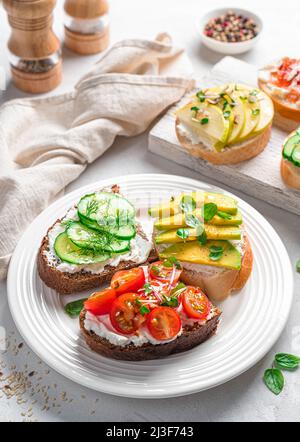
[[67, 283], [190, 338]]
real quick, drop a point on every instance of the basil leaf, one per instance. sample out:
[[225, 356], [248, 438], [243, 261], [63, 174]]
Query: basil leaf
[[170, 261], [298, 266], [170, 302], [224, 215], [180, 286], [195, 108], [209, 211], [227, 114], [192, 221], [225, 104], [274, 380], [216, 253], [74, 308], [144, 310], [155, 270], [202, 238], [187, 204], [287, 361], [183, 233], [148, 289]]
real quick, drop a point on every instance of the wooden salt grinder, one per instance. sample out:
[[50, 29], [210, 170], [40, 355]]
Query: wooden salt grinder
[[86, 26], [34, 48]]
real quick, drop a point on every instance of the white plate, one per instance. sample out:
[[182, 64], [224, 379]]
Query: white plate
[[252, 320]]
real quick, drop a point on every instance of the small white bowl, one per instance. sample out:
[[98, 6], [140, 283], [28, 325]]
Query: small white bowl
[[225, 47]]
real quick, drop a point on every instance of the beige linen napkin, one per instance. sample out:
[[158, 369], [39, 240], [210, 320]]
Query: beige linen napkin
[[45, 143]]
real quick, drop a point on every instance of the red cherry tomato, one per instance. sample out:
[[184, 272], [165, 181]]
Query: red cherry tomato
[[128, 281], [158, 271], [164, 323], [125, 314], [100, 302], [195, 303]]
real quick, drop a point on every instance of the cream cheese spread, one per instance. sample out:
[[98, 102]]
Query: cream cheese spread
[[139, 248]]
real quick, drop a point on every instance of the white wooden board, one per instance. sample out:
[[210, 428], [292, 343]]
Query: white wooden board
[[260, 176]]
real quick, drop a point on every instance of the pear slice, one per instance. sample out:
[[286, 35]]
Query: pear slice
[[249, 98], [266, 113], [207, 122]]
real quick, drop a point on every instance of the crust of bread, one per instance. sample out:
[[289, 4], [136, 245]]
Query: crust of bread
[[220, 284], [286, 117], [190, 338], [233, 155], [67, 283], [290, 174]]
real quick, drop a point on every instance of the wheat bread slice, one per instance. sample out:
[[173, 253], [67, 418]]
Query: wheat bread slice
[[66, 283], [290, 174], [190, 338], [218, 283], [235, 154]]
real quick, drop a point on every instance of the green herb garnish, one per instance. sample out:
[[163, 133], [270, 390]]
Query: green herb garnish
[[155, 270], [226, 114], [287, 361], [202, 238], [274, 380], [74, 308], [171, 301], [209, 211], [144, 310], [254, 92], [195, 108], [255, 112], [192, 221], [201, 96], [224, 215], [170, 261], [187, 204], [204, 120], [183, 233], [298, 265], [216, 253], [225, 104], [180, 286], [92, 208], [148, 289]]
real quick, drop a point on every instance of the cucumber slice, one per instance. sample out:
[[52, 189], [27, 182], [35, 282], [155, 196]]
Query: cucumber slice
[[121, 232], [86, 238], [290, 146], [296, 155], [106, 208], [69, 252]]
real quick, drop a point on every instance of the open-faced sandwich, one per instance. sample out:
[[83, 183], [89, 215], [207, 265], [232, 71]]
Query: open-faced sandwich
[[205, 233], [147, 313], [281, 81], [98, 236], [225, 124], [290, 161]]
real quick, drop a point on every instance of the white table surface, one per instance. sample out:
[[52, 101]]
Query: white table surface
[[244, 398]]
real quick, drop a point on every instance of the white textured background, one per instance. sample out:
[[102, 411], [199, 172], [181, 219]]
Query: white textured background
[[51, 397]]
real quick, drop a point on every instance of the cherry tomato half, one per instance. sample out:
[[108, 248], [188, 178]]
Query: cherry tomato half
[[158, 271], [125, 314], [100, 302], [127, 281], [195, 303], [164, 323]]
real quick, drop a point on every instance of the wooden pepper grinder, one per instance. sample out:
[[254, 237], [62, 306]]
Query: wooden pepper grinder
[[86, 26], [34, 48]]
